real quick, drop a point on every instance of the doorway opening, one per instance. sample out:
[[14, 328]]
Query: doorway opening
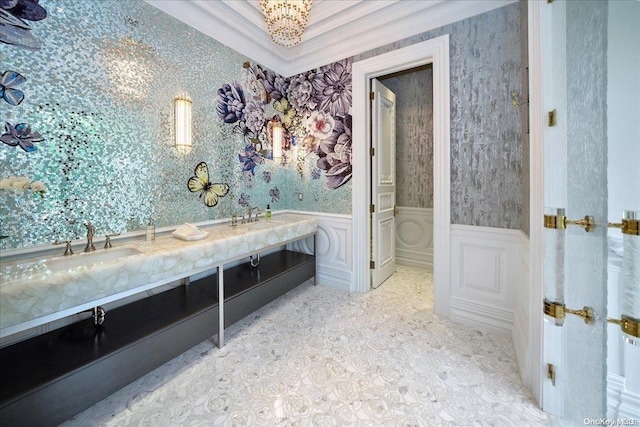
[[413, 199], [435, 52]]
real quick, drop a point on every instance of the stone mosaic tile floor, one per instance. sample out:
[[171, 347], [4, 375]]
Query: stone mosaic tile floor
[[323, 357]]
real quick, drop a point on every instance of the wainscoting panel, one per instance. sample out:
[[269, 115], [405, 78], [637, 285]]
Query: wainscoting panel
[[414, 237], [484, 276], [334, 259]]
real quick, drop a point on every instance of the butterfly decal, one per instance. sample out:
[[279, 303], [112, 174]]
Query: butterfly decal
[[287, 110], [200, 182], [248, 135], [8, 91]]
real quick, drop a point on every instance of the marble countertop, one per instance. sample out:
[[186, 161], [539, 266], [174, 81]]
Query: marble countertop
[[32, 294]]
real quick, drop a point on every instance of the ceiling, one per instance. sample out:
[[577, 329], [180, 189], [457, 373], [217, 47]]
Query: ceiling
[[337, 29]]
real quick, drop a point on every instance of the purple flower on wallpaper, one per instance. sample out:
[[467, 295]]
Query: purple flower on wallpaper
[[244, 200], [301, 93], [14, 30], [275, 194], [242, 129], [315, 173], [320, 124], [335, 154], [333, 88], [250, 159], [280, 87], [230, 103], [8, 83], [274, 84], [22, 135], [254, 116], [266, 176], [254, 87]]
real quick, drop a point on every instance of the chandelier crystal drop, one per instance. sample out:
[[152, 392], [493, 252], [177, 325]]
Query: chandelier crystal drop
[[286, 19]]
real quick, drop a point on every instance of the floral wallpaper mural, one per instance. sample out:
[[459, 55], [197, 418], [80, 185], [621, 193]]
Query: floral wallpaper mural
[[313, 110], [100, 147]]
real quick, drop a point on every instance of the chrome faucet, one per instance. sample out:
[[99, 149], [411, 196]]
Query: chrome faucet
[[255, 208], [67, 250], [91, 231]]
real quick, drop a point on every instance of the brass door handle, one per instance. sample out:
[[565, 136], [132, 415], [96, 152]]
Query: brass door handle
[[560, 221], [559, 312]]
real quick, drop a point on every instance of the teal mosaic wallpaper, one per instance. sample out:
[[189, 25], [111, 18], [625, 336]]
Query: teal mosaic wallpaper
[[87, 127]]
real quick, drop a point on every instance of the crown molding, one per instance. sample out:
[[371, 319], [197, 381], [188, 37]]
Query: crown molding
[[336, 30]]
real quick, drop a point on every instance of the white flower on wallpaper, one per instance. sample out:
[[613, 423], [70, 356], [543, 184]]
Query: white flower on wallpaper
[[22, 183], [320, 124]]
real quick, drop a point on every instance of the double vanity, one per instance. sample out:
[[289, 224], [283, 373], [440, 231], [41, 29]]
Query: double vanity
[[51, 377]]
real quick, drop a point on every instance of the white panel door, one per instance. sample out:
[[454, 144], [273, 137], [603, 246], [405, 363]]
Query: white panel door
[[383, 183]]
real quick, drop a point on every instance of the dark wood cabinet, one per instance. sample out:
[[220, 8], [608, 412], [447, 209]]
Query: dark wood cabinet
[[50, 378]]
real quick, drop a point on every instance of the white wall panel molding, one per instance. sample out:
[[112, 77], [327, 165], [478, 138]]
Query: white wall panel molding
[[484, 276], [334, 249], [414, 237]]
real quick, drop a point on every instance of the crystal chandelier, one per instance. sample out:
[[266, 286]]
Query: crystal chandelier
[[286, 19]]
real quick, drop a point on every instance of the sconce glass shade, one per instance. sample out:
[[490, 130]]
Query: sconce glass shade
[[277, 137], [182, 112]]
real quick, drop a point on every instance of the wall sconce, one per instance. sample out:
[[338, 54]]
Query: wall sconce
[[182, 113], [277, 139]]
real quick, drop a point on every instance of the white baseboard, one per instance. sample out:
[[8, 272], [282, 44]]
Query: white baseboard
[[415, 259], [334, 278], [621, 403], [481, 316]]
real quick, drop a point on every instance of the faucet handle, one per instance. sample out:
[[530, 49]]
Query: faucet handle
[[67, 250], [107, 242]]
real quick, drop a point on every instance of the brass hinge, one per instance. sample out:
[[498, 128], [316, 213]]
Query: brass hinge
[[372, 265], [549, 1], [372, 96], [372, 208], [552, 117], [551, 373], [372, 151]]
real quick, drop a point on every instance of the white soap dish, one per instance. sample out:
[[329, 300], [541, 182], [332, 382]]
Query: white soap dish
[[189, 232]]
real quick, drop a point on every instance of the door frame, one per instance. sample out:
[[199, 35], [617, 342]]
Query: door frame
[[434, 51], [538, 29]]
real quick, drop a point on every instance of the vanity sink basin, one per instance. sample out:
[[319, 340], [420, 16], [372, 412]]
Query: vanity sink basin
[[102, 255], [263, 224]]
